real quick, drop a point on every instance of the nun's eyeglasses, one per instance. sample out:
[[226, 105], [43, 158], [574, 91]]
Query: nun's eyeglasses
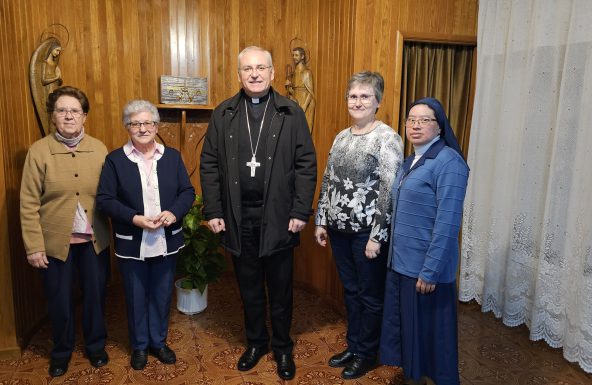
[[410, 122]]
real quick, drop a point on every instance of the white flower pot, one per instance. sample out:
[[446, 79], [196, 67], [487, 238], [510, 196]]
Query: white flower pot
[[190, 301]]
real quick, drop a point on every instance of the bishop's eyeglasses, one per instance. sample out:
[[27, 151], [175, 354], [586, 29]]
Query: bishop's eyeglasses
[[249, 70]]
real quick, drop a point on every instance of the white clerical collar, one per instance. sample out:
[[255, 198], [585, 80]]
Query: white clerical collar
[[259, 100]]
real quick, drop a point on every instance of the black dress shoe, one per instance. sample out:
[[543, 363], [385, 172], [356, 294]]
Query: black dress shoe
[[164, 355], [98, 358], [357, 368], [58, 366], [341, 359], [251, 357], [286, 368], [139, 359]]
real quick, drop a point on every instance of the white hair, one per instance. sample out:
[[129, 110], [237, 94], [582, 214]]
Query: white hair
[[255, 48], [137, 105]]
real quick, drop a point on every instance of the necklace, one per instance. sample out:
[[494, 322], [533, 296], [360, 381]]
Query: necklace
[[253, 164]]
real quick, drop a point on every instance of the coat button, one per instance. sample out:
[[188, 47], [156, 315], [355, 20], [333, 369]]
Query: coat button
[[75, 175], [77, 193], [73, 155]]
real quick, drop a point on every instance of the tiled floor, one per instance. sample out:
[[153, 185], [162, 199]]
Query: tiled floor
[[209, 344]]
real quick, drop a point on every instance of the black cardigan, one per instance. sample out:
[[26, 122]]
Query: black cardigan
[[119, 196]]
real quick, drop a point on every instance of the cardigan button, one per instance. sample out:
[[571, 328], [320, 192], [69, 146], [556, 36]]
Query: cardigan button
[[75, 175], [73, 155], [77, 193]]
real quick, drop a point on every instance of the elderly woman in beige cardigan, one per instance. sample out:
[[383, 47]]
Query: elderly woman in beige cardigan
[[64, 237]]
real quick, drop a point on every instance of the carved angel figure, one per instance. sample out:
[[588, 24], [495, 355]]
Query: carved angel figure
[[44, 77]]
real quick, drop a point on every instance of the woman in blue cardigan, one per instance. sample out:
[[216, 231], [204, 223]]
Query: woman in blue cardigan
[[145, 189], [419, 330]]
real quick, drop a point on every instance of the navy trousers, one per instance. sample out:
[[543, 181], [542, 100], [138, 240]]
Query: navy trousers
[[253, 275], [148, 287], [363, 282], [59, 278]]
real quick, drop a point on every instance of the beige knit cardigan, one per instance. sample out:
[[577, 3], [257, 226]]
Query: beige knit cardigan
[[54, 180]]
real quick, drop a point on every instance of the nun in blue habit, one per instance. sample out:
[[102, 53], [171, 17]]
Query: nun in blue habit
[[419, 329]]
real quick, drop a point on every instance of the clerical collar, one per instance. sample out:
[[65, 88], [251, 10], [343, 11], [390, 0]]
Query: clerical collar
[[260, 100]]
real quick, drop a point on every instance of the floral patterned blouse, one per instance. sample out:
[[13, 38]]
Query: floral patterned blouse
[[356, 188]]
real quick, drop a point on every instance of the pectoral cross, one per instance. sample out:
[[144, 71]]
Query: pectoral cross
[[253, 164]]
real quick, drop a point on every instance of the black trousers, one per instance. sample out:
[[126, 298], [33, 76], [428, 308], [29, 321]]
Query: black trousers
[[254, 276], [91, 271]]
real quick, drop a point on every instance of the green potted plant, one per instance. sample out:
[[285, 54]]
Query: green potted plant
[[200, 261]]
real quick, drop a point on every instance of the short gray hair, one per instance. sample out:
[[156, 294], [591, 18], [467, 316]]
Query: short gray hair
[[255, 48], [373, 79], [136, 106]]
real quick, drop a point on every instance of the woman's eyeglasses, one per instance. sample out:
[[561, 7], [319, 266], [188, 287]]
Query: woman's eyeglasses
[[364, 98], [137, 125], [422, 121], [74, 112]]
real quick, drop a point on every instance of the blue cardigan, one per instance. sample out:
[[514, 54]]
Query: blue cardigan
[[427, 211], [119, 195]]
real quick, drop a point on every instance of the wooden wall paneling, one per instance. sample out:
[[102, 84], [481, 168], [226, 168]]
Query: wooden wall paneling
[[334, 63], [9, 348], [108, 127], [13, 123]]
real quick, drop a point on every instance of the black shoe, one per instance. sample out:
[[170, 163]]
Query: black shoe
[[139, 359], [58, 366], [357, 368], [98, 358], [164, 355], [286, 368], [341, 359], [251, 357]]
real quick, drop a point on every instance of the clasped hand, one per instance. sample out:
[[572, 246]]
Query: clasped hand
[[165, 218]]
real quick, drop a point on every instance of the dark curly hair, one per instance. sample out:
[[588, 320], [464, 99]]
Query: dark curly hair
[[67, 91]]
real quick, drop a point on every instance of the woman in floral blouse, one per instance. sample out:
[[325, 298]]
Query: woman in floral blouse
[[354, 211]]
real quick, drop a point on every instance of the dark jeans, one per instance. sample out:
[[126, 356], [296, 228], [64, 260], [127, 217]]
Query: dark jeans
[[92, 271], [254, 274], [148, 287], [363, 282]]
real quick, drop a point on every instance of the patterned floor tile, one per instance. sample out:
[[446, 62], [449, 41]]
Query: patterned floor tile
[[209, 344]]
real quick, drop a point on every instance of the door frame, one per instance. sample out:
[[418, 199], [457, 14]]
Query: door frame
[[402, 37]]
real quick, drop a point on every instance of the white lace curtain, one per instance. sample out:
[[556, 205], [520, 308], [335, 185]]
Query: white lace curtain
[[527, 231]]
